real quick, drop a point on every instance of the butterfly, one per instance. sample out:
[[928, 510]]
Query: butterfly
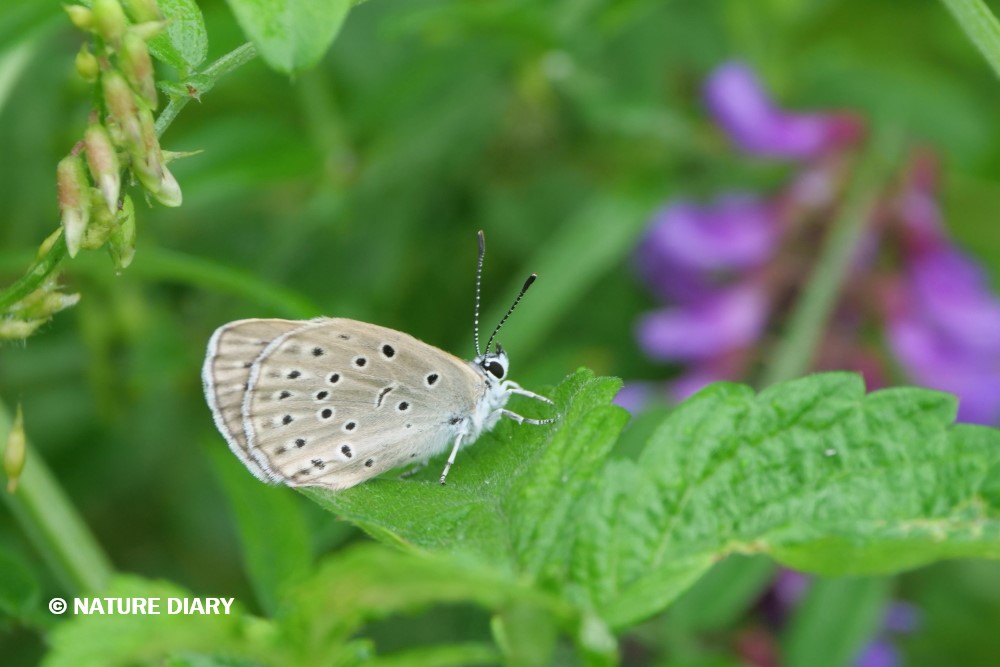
[[333, 402]]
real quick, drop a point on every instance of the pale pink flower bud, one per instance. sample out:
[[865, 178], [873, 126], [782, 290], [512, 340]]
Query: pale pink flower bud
[[103, 162], [121, 106], [74, 200], [138, 67]]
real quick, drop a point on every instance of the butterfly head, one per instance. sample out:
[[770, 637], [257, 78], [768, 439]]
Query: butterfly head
[[493, 364]]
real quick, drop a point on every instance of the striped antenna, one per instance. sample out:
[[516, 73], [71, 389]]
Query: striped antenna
[[527, 284], [479, 280]]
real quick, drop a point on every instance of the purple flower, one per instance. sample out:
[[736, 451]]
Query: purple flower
[[943, 330], [687, 242], [790, 586], [934, 360], [727, 320], [633, 396], [951, 292], [901, 617], [743, 108], [879, 653]]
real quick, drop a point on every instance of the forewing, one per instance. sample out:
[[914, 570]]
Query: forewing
[[339, 401], [231, 352]]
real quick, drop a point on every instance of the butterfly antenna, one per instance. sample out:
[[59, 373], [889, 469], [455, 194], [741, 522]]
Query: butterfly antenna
[[479, 280], [527, 284]]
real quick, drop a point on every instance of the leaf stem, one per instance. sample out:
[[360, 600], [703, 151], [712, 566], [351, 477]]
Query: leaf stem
[[224, 65], [54, 526], [40, 270], [793, 355]]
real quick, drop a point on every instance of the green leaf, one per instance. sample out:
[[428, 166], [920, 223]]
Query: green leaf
[[980, 26], [184, 43], [272, 530], [504, 492], [291, 36], [106, 640], [323, 613], [320, 620], [812, 472], [835, 620]]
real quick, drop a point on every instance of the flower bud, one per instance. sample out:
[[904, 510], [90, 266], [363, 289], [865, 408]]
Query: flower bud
[[121, 243], [47, 244], [43, 303], [103, 162], [80, 16], [86, 65], [53, 302], [18, 329], [109, 19], [143, 10], [149, 29], [74, 200], [102, 221], [169, 193], [138, 67], [122, 107], [147, 157], [16, 451]]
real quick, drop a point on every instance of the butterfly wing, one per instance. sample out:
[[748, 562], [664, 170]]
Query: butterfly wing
[[336, 402], [226, 374]]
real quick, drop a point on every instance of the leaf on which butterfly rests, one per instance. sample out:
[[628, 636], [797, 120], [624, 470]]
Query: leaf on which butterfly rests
[[490, 506], [813, 472]]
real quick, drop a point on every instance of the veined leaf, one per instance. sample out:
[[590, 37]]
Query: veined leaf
[[812, 472], [184, 42], [291, 35]]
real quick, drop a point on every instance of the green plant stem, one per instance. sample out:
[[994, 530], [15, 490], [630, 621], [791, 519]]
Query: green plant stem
[[54, 526], [42, 268], [981, 27], [794, 353], [239, 56]]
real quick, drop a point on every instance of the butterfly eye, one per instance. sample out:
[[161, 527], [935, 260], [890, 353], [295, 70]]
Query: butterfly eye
[[496, 369]]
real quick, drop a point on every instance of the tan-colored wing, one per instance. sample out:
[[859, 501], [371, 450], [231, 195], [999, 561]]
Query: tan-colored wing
[[338, 401], [231, 352]]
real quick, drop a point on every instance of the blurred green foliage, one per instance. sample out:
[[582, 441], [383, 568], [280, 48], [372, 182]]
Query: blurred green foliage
[[354, 189]]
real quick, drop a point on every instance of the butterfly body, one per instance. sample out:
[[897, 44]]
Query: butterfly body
[[332, 402]]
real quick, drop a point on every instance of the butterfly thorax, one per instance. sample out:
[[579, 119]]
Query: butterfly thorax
[[492, 368]]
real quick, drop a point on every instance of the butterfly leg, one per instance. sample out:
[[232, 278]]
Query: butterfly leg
[[524, 420], [515, 388], [451, 457]]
